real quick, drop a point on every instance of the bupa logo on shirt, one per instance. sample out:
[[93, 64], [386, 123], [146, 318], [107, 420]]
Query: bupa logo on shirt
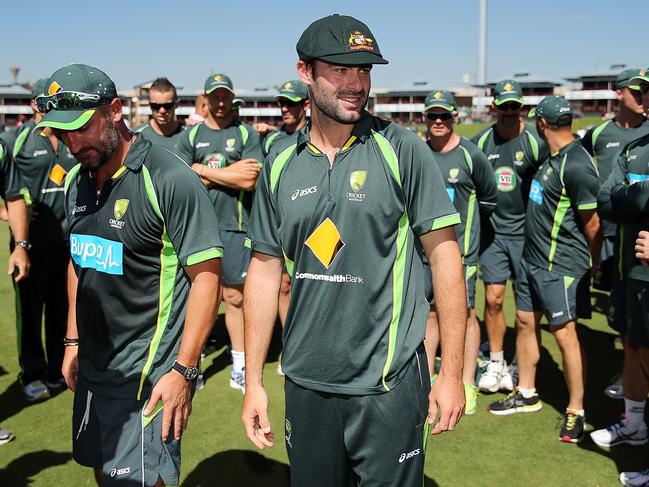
[[536, 192], [100, 254]]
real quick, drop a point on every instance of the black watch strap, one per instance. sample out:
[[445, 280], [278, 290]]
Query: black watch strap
[[189, 373]]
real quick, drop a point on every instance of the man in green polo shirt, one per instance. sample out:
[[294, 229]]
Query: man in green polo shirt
[[342, 208], [562, 242], [226, 154], [515, 153], [470, 183], [143, 284], [623, 200], [163, 128], [43, 161]]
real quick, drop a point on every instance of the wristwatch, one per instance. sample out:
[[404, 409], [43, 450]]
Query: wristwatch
[[190, 373], [24, 243]]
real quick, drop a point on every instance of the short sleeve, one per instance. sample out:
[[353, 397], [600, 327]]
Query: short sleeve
[[252, 147], [190, 220], [263, 228], [184, 147], [587, 141], [581, 181], [484, 181], [428, 204], [11, 184]]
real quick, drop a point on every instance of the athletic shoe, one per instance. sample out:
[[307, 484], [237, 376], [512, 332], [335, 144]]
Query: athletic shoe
[[5, 436], [615, 390], [635, 479], [507, 382], [619, 434], [36, 391], [238, 380], [56, 385], [490, 380], [572, 427], [471, 398], [515, 402]]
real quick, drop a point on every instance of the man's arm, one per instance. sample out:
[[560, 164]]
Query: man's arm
[[240, 175], [70, 367], [19, 224], [173, 389], [259, 312], [593, 233], [447, 393]]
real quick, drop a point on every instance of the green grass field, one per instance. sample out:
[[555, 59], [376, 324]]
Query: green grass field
[[485, 450]]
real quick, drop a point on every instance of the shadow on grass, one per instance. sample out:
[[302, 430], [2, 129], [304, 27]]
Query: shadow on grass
[[12, 401], [21, 471]]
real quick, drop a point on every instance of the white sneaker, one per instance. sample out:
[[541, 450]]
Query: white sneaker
[[509, 378], [619, 434], [635, 479], [238, 380], [490, 380], [36, 391]]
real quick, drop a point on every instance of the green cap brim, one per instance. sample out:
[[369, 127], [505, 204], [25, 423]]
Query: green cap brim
[[636, 80], [445, 106], [214, 88], [66, 119], [506, 98], [354, 58], [296, 99]]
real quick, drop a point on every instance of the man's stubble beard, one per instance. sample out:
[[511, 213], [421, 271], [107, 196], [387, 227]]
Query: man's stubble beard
[[331, 109]]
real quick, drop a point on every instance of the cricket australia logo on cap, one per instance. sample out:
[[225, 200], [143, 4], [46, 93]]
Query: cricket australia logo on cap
[[357, 180], [214, 160], [118, 211], [508, 88], [437, 95], [505, 179], [288, 86], [358, 40]]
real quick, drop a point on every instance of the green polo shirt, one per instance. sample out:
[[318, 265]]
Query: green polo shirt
[[217, 149], [565, 184], [278, 136], [470, 183], [167, 141], [514, 162], [43, 171], [10, 183], [129, 245], [347, 233], [624, 199]]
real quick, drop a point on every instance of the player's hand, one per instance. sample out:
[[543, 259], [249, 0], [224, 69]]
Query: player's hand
[[263, 128], [70, 367], [642, 247], [4, 214], [446, 401], [255, 417], [175, 393], [246, 166], [19, 264]]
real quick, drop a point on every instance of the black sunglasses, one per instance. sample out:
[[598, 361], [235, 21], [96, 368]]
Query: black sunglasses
[[288, 103], [509, 107], [644, 87], [444, 117], [69, 100], [157, 106]]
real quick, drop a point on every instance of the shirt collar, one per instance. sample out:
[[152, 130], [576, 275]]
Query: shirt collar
[[567, 147], [361, 131], [137, 153]]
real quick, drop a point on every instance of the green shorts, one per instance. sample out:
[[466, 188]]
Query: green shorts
[[112, 434], [561, 298], [637, 305], [499, 262], [236, 258], [470, 278], [335, 440]]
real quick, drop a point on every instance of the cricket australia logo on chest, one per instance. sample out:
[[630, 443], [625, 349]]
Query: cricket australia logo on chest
[[119, 210], [357, 180]]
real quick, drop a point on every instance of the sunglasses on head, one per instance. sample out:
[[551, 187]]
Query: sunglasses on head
[[69, 100], [444, 116], [288, 103], [157, 106]]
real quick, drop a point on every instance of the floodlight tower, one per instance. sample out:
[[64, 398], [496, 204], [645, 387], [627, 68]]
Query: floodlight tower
[[482, 51]]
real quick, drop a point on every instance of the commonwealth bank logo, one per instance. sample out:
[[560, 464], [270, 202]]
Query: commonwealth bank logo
[[120, 208], [357, 180], [325, 242]]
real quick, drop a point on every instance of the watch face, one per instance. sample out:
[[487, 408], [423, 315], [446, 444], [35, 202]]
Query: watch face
[[191, 373]]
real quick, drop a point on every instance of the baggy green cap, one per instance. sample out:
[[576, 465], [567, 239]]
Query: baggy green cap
[[508, 90], [623, 79], [339, 39], [440, 98], [641, 77], [556, 110], [81, 79], [294, 90], [216, 81], [39, 87]]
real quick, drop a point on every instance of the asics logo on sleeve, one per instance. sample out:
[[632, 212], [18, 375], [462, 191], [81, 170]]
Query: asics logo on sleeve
[[97, 253], [40, 153], [202, 144], [612, 144]]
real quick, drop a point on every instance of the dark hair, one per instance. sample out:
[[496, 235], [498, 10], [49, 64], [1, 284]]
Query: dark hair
[[163, 85]]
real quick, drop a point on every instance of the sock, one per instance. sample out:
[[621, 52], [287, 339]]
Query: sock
[[238, 361], [527, 393], [633, 413], [580, 412], [497, 356]]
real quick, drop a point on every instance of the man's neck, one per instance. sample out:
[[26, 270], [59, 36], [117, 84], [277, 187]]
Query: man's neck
[[444, 144], [327, 134], [509, 133], [38, 116], [219, 123], [291, 128], [113, 164], [628, 119], [557, 140], [165, 130]]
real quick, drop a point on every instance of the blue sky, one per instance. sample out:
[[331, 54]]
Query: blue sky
[[254, 41]]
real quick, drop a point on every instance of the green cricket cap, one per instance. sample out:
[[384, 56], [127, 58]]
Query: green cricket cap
[[339, 39], [39, 87], [623, 79], [237, 102], [294, 90], [508, 90], [216, 81], [440, 98], [642, 76], [556, 110], [88, 88]]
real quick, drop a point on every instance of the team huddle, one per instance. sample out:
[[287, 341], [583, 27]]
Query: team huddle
[[365, 241]]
